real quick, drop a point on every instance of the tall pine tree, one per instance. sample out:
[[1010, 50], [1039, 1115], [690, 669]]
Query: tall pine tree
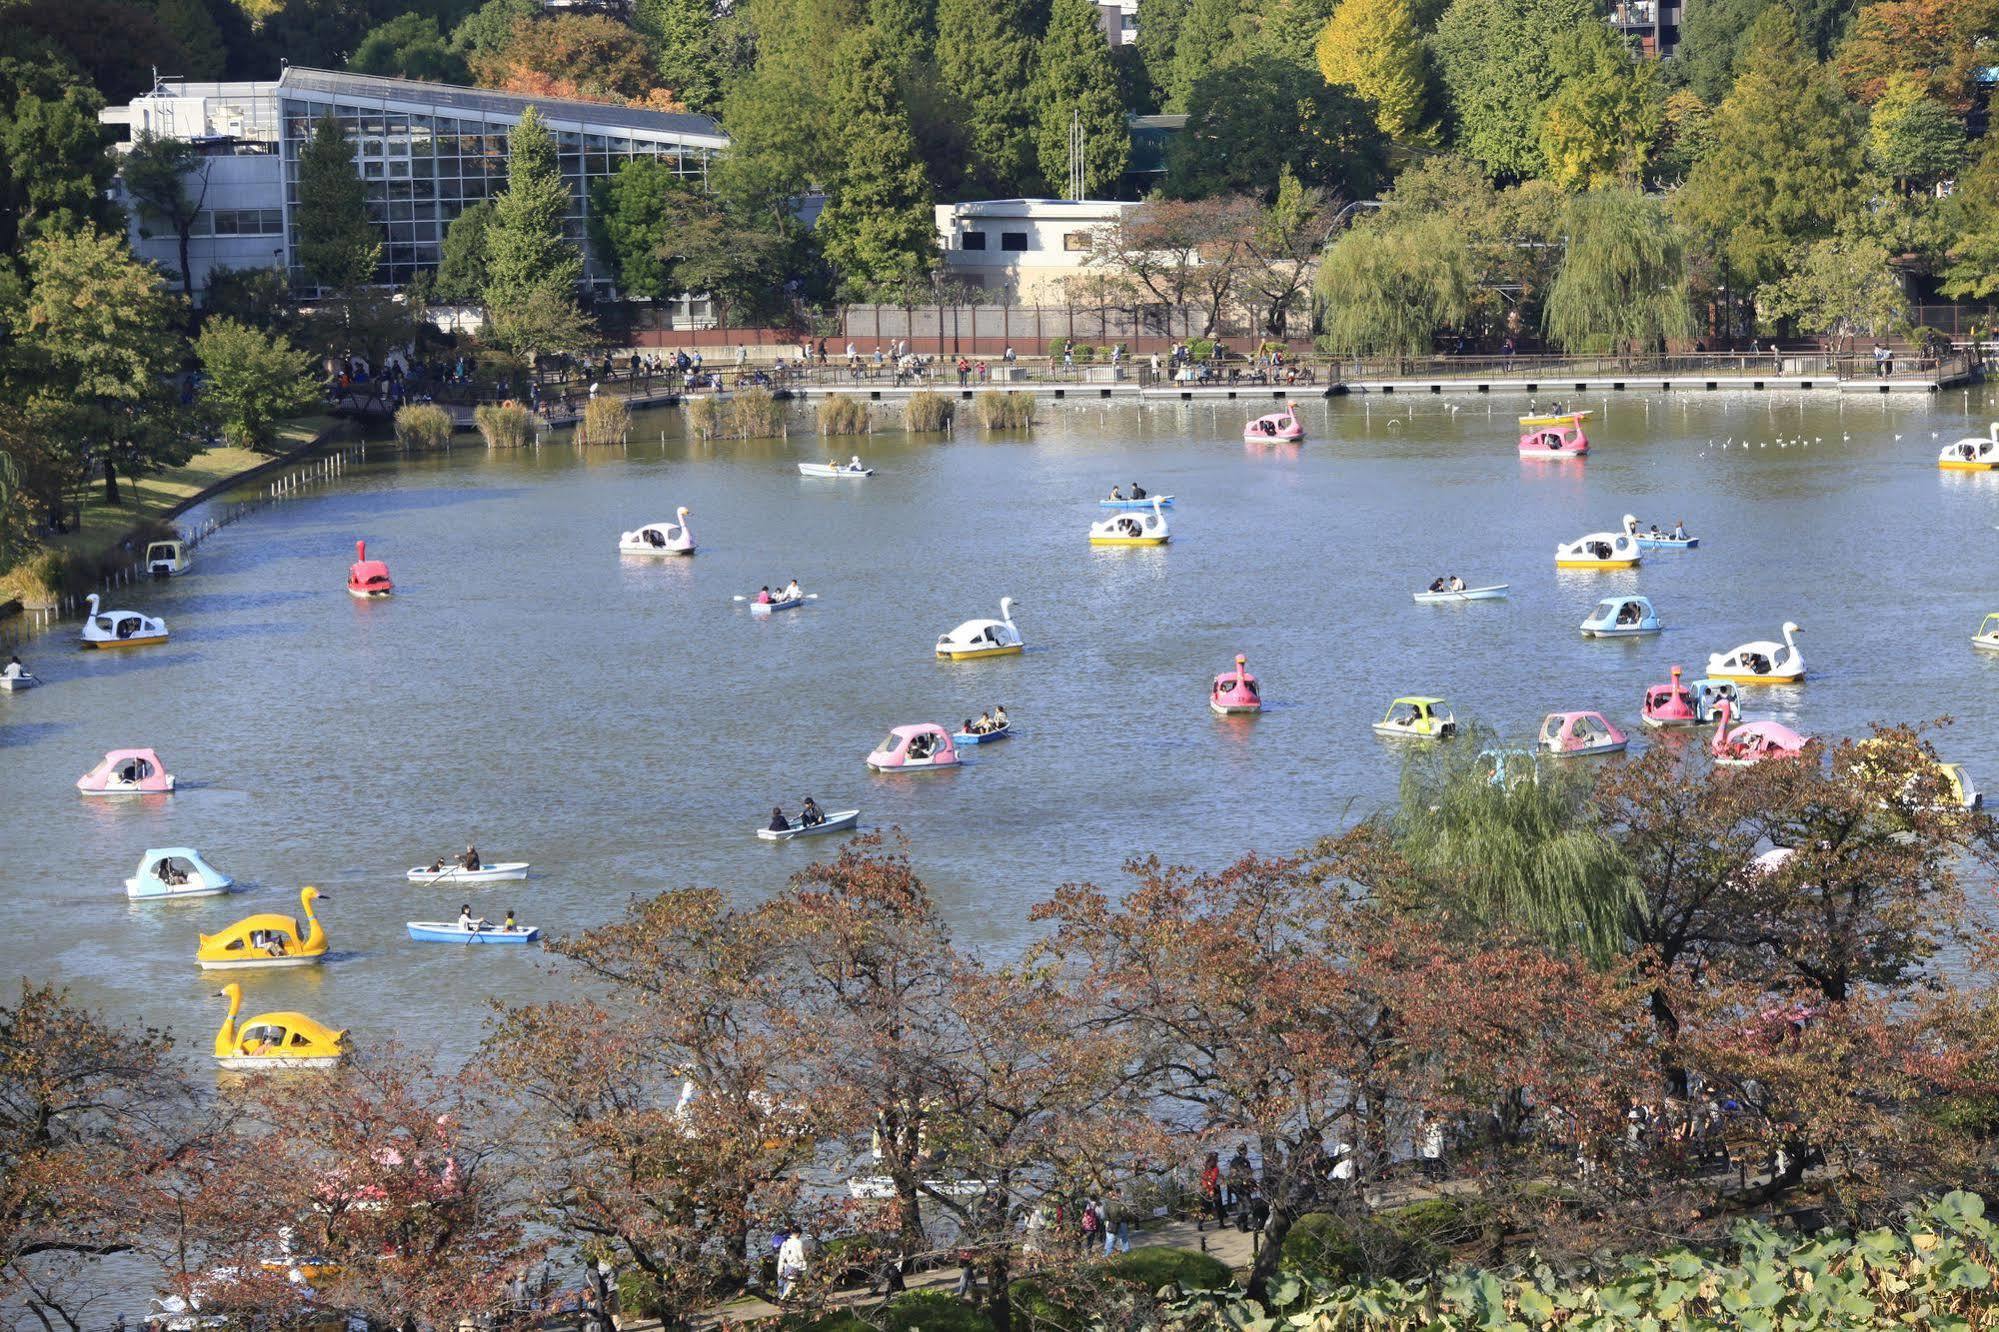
[[1372, 47], [1213, 34], [1074, 78], [877, 227], [337, 245], [526, 251], [1159, 23], [985, 57]]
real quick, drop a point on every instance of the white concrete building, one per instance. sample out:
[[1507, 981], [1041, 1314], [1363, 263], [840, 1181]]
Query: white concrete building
[[1023, 248], [1120, 20]]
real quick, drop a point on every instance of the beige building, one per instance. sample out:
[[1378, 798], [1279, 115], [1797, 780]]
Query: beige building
[[1021, 250]]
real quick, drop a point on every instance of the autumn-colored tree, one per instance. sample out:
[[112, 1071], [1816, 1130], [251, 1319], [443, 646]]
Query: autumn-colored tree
[[1374, 48], [1181, 252], [1600, 126], [587, 56], [1940, 42], [1283, 248]]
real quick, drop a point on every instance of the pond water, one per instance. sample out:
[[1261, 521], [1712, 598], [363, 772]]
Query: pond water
[[624, 725]]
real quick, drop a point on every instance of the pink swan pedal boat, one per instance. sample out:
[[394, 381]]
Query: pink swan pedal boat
[[367, 579], [1669, 704], [1581, 734], [128, 772], [1278, 427], [1554, 437], [1234, 693], [1740, 746], [920, 748]]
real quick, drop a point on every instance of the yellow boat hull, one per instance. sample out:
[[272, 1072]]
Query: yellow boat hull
[[1756, 679], [260, 960], [967, 654], [1596, 564], [1959, 465], [1129, 541], [111, 644]]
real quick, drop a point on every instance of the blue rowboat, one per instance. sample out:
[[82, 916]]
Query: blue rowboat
[[981, 738], [447, 931], [1165, 501], [1666, 542]]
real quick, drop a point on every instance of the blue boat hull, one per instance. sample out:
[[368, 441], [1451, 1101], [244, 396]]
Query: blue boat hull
[[453, 935], [1667, 543], [1165, 502], [968, 738]]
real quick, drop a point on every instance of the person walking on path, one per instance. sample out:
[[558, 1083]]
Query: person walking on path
[[1211, 1193], [791, 1264], [1117, 1226]]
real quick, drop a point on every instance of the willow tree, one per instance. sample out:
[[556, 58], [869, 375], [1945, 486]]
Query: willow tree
[[1389, 284], [1496, 841], [1622, 285]]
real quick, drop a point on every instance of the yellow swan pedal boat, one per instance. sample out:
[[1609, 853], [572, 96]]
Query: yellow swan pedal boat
[[267, 940], [275, 1040]]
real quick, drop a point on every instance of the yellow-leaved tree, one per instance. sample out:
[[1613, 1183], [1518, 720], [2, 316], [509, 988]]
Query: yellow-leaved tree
[[1373, 47]]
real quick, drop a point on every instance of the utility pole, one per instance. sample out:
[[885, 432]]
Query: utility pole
[[1076, 174]]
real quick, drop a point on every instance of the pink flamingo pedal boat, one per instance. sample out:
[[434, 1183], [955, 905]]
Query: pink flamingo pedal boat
[[918, 748], [1554, 437], [128, 772], [367, 579], [1234, 693], [1283, 427], [1740, 746], [1581, 734], [1669, 704]]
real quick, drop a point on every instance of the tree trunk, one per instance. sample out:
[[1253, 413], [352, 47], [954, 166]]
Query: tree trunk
[[1270, 1253], [186, 270], [111, 495]]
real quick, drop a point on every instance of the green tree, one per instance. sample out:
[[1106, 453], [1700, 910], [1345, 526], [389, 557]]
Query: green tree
[[1250, 123], [190, 24], [409, 46], [461, 268], [254, 380], [1622, 285], [485, 32], [1600, 127], [630, 226], [1971, 270], [1213, 34], [54, 171], [337, 245], [259, 297], [1373, 48], [777, 124], [1159, 23], [1843, 285], [100, 338], [168, 179], [694, 49], [1289, 29], [1493, 58], [877, 227], [907, 28], [1710, 37], [1388, 284], [532, 268], [986, 58], [1784, 164], [1912, 137], [1074, 79]]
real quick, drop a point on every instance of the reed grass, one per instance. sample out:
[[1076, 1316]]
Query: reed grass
[[423, 425], [504, 425], [997, 410], [927, 410], [754, 414], [704, 418], [844, 416], [605, 421]]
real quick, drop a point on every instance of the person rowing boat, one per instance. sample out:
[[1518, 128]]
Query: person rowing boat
[[811, 816]]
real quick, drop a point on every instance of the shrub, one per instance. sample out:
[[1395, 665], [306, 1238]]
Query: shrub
[[1435, 1227], [606, 421], [704, 418], [39, 580], [1269, 348], [1056, 346], [504, 425], [917, 1311], [1034, 1311], [1085, 353], [928, 411], [1324, 1248], [424, 425], [1201, 348], [843, 416], [998, 410], [754, 414], [1157, 1265], [638, 1295]]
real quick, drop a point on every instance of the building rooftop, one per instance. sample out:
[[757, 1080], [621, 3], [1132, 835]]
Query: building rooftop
[[298, 80]]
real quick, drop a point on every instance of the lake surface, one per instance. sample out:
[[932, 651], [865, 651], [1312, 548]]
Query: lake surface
[[624, 725]]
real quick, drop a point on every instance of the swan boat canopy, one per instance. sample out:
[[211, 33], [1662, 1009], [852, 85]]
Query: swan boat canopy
[[275, 1040], [1761, 662], [1987, 636], [1973, 453], [127, 772], [1418, 717], [166, 558], [1554, 437], [918, 748], [1281, 426], [838, 821], [105, 630], [1603, 550], [1621, 617], [1581, 734], [1131, 529], [1752, 742], [169, 872], [674, 538], [267, 940], [982, 638], [1234, 693], [368, 580]]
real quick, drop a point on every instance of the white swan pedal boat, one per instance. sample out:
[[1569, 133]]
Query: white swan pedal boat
[[450, 931], [498, 872], [1496, 592], [119, 628], [673, 538], [838, 821], [852, 470]]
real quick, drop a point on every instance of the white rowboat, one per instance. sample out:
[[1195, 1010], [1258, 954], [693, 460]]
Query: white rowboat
[[828, 469], [1497, 592], [835, 822], [496, 873]]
